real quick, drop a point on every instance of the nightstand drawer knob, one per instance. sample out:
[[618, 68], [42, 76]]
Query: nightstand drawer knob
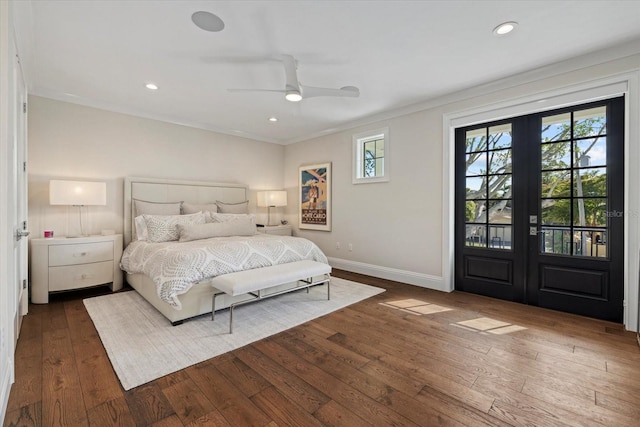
[[80, 254], [84, 276]]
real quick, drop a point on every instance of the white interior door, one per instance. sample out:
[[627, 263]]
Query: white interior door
[[20, 197], [17, 195]]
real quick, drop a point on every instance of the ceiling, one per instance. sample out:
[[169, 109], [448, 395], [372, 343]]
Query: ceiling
[[398, 53]]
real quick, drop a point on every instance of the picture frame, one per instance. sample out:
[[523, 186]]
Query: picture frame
[[314, 192]]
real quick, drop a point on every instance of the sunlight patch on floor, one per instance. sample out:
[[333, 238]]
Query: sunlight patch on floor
[[484, 325], [415, 306]]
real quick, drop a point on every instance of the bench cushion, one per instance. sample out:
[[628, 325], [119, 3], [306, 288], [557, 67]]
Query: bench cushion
[[243, 282]]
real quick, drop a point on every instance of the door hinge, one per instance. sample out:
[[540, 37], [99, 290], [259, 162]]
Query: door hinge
[[24, 283], [24, 225], [24, 166], [24, 107]]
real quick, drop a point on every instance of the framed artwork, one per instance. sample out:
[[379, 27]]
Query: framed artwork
[[315, 197]]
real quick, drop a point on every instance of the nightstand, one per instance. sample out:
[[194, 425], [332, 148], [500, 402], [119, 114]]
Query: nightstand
[[280, 230], [61, 264]]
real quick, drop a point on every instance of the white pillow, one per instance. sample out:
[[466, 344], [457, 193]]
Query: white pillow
[[190, 208], [235, 227], [224, 217], [164, 228], [233, 208], [140, 231], [155, 208]]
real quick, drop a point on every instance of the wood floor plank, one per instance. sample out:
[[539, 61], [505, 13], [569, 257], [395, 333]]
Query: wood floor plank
[[583, 376], [25, 416], [248, 381], [212, 419], [619, 406], [113, 413], [597, 414], [27, 389], [283, 411], [187, 401], [528, 409], [98, 380], [228, 399], [344, 355], [295, 388], [335, 415], [62, 402], [147, 404], [454, 408]]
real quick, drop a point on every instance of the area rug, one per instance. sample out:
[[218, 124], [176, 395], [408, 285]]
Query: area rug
[[143, 346]]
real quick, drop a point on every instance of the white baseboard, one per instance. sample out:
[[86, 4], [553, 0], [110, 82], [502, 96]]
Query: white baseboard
[[7, 380], [403, 276]]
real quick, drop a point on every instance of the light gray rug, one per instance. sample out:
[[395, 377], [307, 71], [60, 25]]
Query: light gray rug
[[143, 346]]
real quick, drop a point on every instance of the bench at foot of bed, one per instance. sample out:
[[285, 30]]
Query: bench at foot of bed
[[253, 282]]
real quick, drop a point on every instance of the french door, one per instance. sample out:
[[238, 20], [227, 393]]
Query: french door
[[539, 209]]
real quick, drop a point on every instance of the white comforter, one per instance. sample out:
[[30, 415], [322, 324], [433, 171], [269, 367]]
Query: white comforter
[[176, 266]]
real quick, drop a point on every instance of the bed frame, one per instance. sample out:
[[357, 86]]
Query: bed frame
[[197, 301]]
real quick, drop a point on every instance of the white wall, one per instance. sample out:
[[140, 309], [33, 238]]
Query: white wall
[[401, 229], [394, 227], [69, 141]]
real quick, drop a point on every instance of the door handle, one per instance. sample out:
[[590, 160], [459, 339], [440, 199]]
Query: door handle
[[21, 233], [533, 231]]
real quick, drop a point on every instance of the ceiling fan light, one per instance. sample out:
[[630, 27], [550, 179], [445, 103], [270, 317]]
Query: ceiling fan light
[[293, 96]]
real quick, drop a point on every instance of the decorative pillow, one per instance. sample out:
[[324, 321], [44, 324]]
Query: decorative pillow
[[164, 228], [190, 208], [235, 227], [142, 207], [233, 208], [221, 217]]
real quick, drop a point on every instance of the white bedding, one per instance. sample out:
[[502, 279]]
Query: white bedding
[[176, 266]]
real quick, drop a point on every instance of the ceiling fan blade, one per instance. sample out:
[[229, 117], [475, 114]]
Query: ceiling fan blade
[[290, 73], [347, 91], [256, 90]]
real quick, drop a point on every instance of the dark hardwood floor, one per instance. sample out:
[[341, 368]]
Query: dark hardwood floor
[[408, 356]]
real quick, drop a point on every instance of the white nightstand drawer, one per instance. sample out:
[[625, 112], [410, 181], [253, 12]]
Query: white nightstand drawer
[[80, 276], [81, 253]]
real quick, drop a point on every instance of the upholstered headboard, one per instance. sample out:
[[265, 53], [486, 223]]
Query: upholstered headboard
[[171, 190]]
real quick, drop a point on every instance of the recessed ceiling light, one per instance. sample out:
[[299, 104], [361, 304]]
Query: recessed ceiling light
[[273, 119], [207, 21], [151, 86], [504, 28]]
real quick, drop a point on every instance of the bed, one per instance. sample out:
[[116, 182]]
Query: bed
[[189, 293]]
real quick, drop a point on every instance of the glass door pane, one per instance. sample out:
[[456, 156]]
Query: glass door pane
[[573, 183]]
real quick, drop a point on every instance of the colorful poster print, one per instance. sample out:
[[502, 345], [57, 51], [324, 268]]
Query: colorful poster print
[[315, 197]]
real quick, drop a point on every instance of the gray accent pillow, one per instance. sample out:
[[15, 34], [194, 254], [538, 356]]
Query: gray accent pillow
[[233, 208], [142, 207], [191, 208], [164, 228], [235, 227]]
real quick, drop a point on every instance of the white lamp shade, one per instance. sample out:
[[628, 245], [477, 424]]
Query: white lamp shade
[[272, 198], [77, 193]]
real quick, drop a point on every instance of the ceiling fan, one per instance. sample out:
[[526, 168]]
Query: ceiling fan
[[294, 91]]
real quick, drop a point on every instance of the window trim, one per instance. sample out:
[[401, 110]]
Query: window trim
[[358, 141]]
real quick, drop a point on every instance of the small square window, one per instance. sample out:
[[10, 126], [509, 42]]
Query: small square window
[[371, 157]]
